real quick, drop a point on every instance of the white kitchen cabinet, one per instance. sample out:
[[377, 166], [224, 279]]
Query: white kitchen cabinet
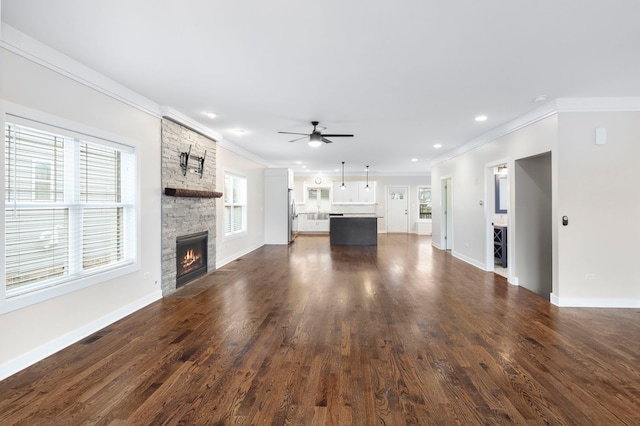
[[313, 222], [298, 191], [354, 193]]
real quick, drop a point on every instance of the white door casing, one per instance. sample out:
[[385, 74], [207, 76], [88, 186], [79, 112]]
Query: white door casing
[[397, 206], [446, 205]]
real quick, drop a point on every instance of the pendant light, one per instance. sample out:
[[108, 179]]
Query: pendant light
[[342, 186], [366, 188]]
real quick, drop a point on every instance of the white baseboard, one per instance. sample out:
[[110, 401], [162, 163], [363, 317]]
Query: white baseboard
[[29, 358], [578, 302], [435, 244], [221, 262], [513, 280], [468, 260]]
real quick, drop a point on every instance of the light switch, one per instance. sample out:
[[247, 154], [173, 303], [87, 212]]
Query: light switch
[[601, 135]]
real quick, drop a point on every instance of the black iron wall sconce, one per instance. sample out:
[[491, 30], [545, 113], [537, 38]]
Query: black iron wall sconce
[[184, 163]]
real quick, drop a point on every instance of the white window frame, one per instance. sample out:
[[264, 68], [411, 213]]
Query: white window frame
[[418, 203], [11, 301], [243, 203]]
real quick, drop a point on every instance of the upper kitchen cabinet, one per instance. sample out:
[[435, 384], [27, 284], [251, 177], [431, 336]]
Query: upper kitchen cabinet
[[299, 192], [355, 192]]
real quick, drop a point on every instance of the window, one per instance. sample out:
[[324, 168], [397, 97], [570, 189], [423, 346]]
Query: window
[[69, 207], [235, 204], [424, 202]]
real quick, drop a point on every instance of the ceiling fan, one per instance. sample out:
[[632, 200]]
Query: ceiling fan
[[316, 137]]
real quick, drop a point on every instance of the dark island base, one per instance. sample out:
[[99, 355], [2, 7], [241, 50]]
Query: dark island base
[[353, 231]]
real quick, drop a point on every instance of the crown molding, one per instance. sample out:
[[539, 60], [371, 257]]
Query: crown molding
[[180, 118], [598, 104], [29, 48], [174, 115], [35, 51], [556, 106]]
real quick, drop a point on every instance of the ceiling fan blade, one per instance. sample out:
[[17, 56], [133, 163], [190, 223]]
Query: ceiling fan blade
[[325, 140], [338, 136], [294, 133], [297, 139]]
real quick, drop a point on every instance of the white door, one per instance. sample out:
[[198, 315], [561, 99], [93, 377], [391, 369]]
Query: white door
[[397, 209]]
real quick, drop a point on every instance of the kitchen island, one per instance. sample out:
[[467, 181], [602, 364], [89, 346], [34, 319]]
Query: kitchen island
[[353, 230]]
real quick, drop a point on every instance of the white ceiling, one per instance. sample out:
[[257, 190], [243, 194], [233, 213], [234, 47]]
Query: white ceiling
[[402, 76]]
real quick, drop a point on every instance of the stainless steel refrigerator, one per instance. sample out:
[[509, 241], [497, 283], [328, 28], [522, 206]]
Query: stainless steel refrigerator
[[293, 217]]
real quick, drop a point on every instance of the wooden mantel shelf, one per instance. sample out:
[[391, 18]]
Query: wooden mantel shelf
[[195, 193]]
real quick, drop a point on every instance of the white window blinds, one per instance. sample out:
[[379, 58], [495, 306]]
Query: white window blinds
[[235, 204], [69, 208]]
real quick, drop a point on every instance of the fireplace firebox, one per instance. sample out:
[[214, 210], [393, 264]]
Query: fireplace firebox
[[191, 257]]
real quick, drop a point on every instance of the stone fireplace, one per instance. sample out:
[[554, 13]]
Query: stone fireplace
[[187, 214]]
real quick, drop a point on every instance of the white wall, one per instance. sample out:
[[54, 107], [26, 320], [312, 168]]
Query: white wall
[[29, 334], [595, 257], [229, 249], [598, 191], [472, 183]]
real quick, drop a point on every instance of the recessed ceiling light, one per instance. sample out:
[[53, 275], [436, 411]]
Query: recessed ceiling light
[[481, 118], [298, 162], [414, 159], [304, 166], [210, 114], [438, 146], [540, 98], [239, 132]]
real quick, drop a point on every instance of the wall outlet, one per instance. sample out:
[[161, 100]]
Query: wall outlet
[[590, 276], [147, 275]]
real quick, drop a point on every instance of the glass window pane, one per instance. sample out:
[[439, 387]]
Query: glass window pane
[[99, 174], [34, 165], [37, 245], [102, 237], [235, 204]]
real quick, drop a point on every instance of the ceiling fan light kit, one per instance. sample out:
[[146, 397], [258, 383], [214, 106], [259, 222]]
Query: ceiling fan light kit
[[315, 140]]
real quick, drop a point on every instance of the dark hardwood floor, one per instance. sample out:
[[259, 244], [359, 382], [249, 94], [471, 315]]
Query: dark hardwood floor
[[312, 334]]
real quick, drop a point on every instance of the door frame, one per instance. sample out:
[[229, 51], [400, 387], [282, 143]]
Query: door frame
[[489, 211], [446, 215], [386, 204]]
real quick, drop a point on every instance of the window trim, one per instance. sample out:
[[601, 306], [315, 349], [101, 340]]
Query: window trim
[[418, 203], [245, 231], [26, 116]]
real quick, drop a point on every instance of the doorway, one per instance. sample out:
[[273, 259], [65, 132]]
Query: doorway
[[534, 224], [397, 209], [497, 215]]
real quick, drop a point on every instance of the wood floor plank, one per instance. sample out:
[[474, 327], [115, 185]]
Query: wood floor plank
[[310, 333]]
